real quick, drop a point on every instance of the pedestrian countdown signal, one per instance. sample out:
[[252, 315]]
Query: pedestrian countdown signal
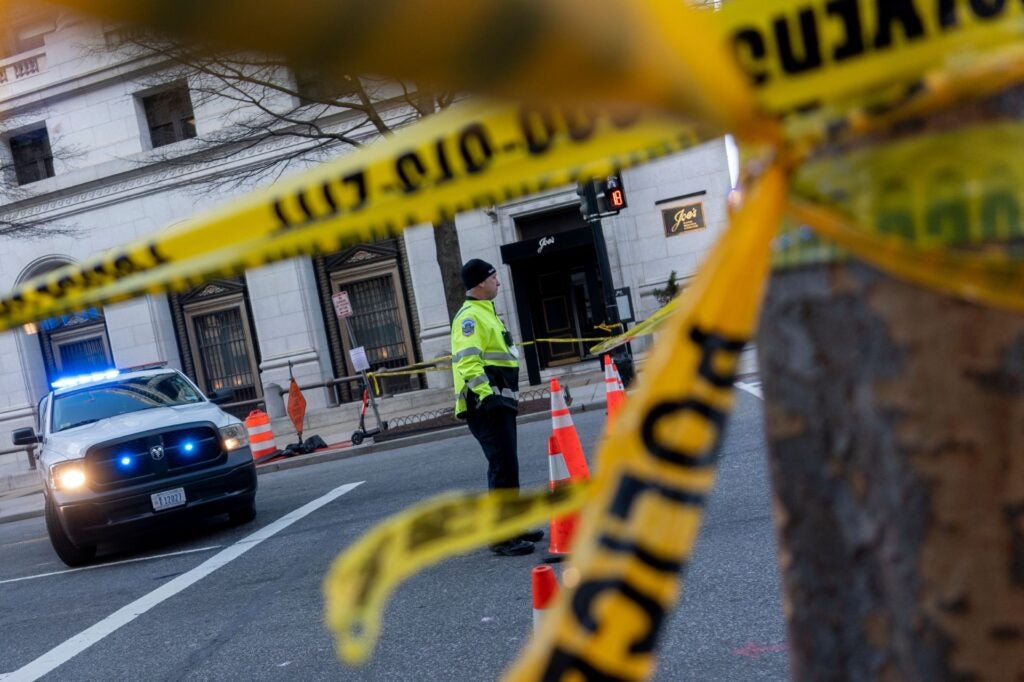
[[600, 198], [614, 194]]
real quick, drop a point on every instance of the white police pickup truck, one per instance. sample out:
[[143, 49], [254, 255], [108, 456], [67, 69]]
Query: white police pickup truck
[[124, 453]]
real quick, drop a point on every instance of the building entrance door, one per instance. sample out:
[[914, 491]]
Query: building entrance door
[[563, 311], [558, 288]]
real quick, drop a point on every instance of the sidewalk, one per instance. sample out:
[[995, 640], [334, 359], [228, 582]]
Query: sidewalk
[[21, 494]]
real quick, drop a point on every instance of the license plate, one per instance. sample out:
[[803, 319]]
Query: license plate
[[168, 499]]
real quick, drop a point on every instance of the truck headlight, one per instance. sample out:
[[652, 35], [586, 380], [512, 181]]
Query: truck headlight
[[234, 436], [67, 475]]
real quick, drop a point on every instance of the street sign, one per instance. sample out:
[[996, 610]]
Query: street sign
[[342, 306]]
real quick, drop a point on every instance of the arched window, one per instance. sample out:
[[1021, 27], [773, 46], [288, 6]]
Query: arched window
[[75, 343]]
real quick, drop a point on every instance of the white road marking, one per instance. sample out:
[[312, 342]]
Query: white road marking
[[753, 388], [112, 563], [62, 653]]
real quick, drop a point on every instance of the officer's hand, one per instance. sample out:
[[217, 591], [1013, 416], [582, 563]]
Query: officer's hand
[[490, 403]]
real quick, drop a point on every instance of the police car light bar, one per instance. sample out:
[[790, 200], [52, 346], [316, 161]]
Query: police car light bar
[[66, 382]]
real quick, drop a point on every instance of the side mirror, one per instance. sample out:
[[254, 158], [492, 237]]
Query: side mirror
[[222, 395], [24, 436]]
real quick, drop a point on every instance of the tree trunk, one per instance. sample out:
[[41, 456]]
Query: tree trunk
[[449, 259], [895, 417]]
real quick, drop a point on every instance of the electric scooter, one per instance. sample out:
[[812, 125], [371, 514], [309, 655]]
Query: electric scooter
[[362, 432]]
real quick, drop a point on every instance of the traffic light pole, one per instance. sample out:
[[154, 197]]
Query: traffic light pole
[[611, 310], [594, 206]]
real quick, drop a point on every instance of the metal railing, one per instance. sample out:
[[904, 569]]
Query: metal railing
[[27, 449], [346, 389]]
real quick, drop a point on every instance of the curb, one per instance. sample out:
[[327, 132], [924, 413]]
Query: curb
[[21, 516], [340, 453]]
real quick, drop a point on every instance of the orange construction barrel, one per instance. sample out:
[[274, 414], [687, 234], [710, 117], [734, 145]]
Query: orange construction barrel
[[261, 436]]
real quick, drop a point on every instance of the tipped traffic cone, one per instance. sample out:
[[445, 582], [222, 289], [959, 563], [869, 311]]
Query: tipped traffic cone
[[565, 431], [615, 392], [545, 589], [563, 528]]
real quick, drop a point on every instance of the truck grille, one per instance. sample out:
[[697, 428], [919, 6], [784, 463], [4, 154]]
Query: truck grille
[[153, 455]]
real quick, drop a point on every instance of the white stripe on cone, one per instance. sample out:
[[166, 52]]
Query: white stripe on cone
[[557, 469]]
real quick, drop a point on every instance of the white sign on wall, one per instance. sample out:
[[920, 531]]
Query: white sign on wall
[[358, 357]]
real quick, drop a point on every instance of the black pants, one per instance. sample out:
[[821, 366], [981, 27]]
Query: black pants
[[495, 430]]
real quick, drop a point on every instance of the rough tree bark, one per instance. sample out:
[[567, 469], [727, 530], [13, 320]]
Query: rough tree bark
[[449, 259], [895, 417]]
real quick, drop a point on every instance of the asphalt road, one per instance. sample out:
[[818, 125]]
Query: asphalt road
[[198, 606]]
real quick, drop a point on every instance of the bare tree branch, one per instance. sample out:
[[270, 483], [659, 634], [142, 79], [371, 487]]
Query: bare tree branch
[[276, 116]]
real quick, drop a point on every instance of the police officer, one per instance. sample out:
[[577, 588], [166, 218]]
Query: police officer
[[485, 364]]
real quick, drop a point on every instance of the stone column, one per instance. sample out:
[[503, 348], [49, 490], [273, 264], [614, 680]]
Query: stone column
[[141, 331], [24, 380], [430, 304], [290, 328]]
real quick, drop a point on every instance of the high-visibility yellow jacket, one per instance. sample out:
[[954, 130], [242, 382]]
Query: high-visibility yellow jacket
[[485, 362]]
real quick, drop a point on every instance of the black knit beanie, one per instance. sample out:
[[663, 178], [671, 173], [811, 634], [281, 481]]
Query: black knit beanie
[[476, 271]]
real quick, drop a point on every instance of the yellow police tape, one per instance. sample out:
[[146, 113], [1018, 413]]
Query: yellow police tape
[[657, 466], [655, 52], [942, 224], [360, 580], [473, 155], [660, 53], [801, 55], [647, 326], [655, 470], [967, 78]]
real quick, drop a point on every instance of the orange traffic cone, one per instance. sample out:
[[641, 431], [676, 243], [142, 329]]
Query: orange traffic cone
[[261, 436], [565, 431], [562, 527], [615, 392], [545, 589]]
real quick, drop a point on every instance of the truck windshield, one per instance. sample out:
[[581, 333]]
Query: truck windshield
[[129, 394]]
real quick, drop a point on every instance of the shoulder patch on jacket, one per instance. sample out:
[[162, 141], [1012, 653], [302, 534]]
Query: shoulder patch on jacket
[[468, 326]]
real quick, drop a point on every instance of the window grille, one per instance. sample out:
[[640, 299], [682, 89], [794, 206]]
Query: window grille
[[84, 355], [169, 116], [223, 351], [378, 327]]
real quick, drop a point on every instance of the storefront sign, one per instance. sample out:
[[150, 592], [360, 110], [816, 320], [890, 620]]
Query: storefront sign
[[679, 219]]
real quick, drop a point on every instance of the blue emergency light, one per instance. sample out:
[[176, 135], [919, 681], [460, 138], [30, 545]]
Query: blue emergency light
[[78, 380]]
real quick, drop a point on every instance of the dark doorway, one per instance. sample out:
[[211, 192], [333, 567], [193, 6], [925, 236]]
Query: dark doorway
[[559, 292]]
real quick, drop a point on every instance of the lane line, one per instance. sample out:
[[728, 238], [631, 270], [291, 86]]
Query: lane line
[[112, 563], [754, 390], [64, 652]]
